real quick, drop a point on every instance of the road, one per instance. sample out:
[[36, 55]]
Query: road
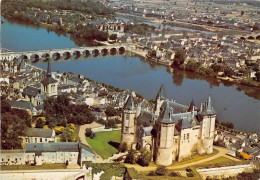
[[83, 140]]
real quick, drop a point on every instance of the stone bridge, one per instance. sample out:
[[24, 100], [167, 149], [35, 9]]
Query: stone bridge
[[67, 53]]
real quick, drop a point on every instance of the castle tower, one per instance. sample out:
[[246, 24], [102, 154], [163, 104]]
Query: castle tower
[[49, 86], [164, 141], [160, 97], [207, 115], [129, 122]]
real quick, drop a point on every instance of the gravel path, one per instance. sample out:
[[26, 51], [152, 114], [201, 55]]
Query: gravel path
[[83, 140], [222, 152]]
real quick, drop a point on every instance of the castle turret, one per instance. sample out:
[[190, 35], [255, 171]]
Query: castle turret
[[129, 123], [207, 116], [49, 86], [165, 133], [160, 97]]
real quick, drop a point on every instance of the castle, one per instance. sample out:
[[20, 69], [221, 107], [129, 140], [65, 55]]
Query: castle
[[171, 131]]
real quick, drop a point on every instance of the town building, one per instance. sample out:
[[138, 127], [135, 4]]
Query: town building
[[39, 153], [171, 131], [39, 135], [49, 86]]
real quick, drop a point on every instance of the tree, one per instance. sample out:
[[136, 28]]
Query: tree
[[40, 122], [12, 126], [67, 135], [122, 147], [130, 157], [179, 58], [113, 37], [111, 111], [161, 171], [5, 106], [89, 133], [153, 53], [145, 157], [228, 71]]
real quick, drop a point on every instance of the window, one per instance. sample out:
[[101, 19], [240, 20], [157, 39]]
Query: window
[[184, 136], [127, 117], [2, 159], [46, 140], [40, 139], [188, 135]]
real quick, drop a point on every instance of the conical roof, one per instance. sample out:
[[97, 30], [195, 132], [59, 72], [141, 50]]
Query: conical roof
[[130, 105], [161, 93], [166, 115], [191, 106], [209, 110]]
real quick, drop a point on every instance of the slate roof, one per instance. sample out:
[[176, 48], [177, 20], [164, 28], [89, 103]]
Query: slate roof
[[52, 147], [86, 147], [20, 104], [130, 103], [147, 130], [147, 118], [38, 132], [31, 91], [185, 120], [176, 107], [48, 80]]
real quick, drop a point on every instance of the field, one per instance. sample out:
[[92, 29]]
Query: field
[[105, 143]]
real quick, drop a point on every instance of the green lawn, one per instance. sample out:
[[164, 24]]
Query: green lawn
[[195, 157], [219, 162], [104, 143], [29, 167]]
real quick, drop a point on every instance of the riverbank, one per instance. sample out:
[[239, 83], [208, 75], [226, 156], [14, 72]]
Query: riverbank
[[182, 24]]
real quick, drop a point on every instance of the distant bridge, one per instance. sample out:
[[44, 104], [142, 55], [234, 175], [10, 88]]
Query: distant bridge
[[67, 52]]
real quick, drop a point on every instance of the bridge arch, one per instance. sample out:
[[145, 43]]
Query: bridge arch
[[95, 52], [36, 56], [104, 51], [86, 53], [77, 53], [56, 55], [121, 50], [25, 56], [46, 55], [66, 54], [113, 51]]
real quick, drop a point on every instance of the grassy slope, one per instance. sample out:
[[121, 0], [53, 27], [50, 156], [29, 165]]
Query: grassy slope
[[100, 143]]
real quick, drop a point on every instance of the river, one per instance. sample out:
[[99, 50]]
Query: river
[[238, 104]]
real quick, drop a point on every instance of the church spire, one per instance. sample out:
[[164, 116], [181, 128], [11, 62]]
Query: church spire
[[49, 69]]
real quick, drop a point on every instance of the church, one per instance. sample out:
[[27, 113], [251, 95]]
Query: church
[[171, 131]]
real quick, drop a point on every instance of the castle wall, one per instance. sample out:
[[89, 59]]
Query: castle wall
[[165, 149], [207, 135], [188, 142], [128, 127], [147, 142]]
